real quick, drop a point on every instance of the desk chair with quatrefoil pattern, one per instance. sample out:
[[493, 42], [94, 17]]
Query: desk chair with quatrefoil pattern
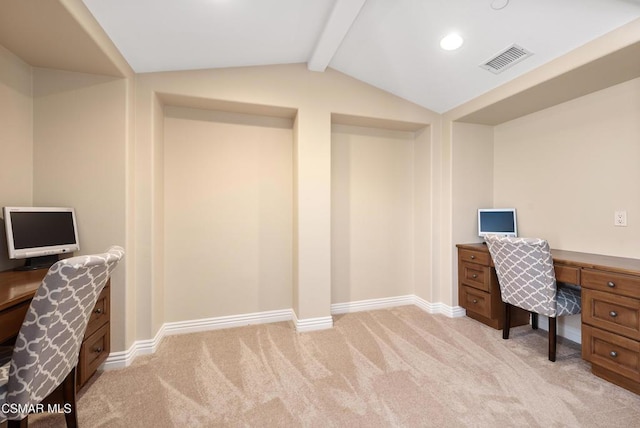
[[45, 355], [524, 267]]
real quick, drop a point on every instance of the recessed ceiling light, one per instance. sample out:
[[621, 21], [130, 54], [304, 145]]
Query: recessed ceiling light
[[451, 42], [499, 4]]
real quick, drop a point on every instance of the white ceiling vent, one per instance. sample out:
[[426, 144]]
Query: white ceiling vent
[[505, 59]]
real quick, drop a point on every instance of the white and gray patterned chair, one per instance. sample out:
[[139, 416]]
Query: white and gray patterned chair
[[45, 354], [525, 272]]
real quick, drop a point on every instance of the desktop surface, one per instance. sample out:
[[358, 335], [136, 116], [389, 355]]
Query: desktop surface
[[581, 260], [19, 286]]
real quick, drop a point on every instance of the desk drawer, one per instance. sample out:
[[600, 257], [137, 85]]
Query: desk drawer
[[100, 313], [611, 312], [476, 301], [11, 320], [617, 283], [93, 352], [482, 258], [612, 352], [476, 276], [568, 274]]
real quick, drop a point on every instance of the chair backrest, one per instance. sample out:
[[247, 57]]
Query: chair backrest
[[525, 272], [49, 340]]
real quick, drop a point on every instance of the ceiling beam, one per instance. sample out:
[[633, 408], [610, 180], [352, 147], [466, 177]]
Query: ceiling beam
[[343, 15]]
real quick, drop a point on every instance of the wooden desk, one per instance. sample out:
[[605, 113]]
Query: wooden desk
[[17, 288], [610, 305]]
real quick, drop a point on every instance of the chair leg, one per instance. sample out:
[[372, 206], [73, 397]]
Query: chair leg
[[69, 397], [534, 320], [552, 338], [24, 423], [507, 320]]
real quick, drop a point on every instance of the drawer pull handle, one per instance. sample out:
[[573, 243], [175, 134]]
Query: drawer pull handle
[[97, 311], [613, 314], [613, 354], [473, 257], [97, 349], [611, 284], [475, 300], [474, 276]]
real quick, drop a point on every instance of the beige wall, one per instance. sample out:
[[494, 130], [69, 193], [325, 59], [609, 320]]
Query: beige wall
[[472, 177], [228, 213], [472, 182], [314, 97], [64, 144], [80, 161], [568, 168], [16, 139], [372, 213], [424, 277], [84, 125]]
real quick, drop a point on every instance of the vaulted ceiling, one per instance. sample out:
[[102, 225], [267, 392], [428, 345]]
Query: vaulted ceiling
[[390, 44]]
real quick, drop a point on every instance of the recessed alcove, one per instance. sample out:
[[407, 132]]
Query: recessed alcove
[[379, 207], [227, 175]]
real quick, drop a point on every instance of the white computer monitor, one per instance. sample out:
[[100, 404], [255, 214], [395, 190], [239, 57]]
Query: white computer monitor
[[40, 234], [497, 221]]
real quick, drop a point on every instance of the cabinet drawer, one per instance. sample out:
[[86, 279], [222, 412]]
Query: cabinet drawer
[[476, 301], [612, 352], [568, 274], [618, 283], [93, 352], [100, 313], [479, 257], [476, 276], [611, 312]]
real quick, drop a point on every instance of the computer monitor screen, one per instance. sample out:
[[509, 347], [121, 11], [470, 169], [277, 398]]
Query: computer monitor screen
[[500, 221], [40, 231]]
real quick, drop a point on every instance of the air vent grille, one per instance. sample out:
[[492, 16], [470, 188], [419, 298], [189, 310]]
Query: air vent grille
[[505, 59]]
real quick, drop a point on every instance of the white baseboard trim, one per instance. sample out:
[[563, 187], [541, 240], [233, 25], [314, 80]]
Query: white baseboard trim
[[311, 324], [372, 304], [216, 323], [123, 359], [563, 330], [117, 360], [439, 308]]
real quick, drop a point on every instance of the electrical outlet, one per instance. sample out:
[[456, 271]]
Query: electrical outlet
[[620, 218]]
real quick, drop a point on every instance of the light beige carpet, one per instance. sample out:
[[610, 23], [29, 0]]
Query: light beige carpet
[[392, 367]]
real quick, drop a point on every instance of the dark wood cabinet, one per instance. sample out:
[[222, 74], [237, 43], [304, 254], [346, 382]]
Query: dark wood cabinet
[[611, 326], [96, 343], [479, 290]]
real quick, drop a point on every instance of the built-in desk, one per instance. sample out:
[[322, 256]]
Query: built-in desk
[[17, 288], [610, 305]]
